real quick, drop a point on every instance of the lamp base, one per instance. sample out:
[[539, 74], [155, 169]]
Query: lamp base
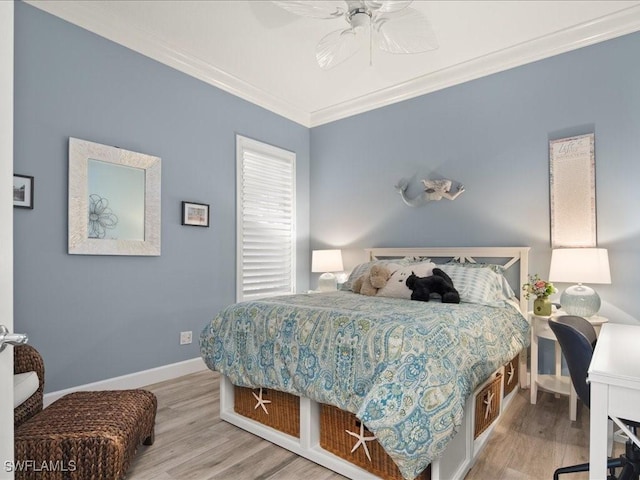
[[327, 282], [580, 300]]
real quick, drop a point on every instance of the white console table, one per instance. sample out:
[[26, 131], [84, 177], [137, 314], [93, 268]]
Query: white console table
[[614, 375]]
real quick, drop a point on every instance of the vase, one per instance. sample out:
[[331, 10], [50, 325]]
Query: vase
[[542, 306]]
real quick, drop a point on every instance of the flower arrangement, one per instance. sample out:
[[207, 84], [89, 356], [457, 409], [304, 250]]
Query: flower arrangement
[[539, 288]]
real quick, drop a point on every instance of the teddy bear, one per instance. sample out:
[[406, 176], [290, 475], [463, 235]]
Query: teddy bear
[[396, 286], [389, 279], [438, 282], [376, 278]]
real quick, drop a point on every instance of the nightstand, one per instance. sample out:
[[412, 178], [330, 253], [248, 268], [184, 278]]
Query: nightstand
[[555, 383]]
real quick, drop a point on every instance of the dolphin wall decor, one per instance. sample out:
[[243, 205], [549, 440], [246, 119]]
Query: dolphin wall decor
[[434, 190]]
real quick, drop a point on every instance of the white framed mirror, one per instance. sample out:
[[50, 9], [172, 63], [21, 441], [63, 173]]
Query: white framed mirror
[[572, 186], [114, 200]]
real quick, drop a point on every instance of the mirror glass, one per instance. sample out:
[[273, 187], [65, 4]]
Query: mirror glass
[[116, 201]]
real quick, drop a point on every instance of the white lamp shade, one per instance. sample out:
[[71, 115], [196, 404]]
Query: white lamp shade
[[326, 261], [580, 265]]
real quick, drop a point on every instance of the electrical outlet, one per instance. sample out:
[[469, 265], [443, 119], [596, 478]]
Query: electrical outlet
[[185, 338]]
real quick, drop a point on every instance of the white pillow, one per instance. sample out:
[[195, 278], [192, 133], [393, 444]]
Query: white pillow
[[396, 287], [475, 285], [24, 385], [499, 270]]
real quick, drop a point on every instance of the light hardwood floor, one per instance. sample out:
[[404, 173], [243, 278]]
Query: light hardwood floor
[[192, 443]]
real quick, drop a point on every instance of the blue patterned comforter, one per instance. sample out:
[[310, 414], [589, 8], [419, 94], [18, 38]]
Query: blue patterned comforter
[[405, 368]]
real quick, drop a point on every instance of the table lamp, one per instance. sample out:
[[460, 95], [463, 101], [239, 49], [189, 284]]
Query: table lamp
[[580, 265], [327, 262]]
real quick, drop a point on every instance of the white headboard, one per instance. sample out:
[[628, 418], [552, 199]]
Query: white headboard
[[506, 256]]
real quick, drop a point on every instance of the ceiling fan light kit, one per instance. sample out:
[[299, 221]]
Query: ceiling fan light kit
[[359, 18], [390, 25]]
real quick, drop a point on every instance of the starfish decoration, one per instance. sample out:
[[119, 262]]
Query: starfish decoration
[[362, 440], [261, 401], [510, 373], [488, 402]]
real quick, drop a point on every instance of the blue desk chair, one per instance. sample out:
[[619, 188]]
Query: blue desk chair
[[577, 339]]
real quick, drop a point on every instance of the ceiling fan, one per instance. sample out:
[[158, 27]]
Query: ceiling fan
[[389, 24]]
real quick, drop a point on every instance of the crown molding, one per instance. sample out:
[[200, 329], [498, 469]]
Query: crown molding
[[598, 30], [106, 25]]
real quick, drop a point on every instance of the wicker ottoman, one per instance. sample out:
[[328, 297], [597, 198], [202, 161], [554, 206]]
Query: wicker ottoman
[[85, 436]]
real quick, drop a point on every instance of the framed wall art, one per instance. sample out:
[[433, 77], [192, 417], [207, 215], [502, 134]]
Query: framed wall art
[[572, 190], [114, 200], [22, 191], [195, 214]]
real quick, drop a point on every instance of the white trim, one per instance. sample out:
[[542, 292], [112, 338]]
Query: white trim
[[6, 235], [589, 33], [106, 25], [101, 22], [136, 379]]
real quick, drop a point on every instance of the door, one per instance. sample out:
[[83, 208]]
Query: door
[[6, 234]]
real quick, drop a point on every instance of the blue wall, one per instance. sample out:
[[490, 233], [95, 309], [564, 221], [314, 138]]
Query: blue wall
[[492, 135], [96, 317]]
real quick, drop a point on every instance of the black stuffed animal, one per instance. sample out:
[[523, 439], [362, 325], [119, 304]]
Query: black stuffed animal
[[439, 282]]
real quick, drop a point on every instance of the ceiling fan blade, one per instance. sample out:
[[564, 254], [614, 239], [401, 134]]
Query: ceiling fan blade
[[387, 6], [314, 9], [336, 47], [408, 31]]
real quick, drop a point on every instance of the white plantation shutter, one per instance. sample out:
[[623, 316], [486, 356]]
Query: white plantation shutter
[[265, 220]]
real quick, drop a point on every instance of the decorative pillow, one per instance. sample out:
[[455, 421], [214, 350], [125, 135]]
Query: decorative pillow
[[396, 287], [417, 259], [364, 268], [499, 269], [475, 285], [507, 291], [24, 385]]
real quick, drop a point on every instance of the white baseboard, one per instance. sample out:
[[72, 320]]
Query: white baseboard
[[136, 379]]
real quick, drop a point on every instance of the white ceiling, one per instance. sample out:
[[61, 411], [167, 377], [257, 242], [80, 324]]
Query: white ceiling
[[266, 55]]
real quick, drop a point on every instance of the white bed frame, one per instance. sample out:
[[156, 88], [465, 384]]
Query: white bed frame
[[461, 452]]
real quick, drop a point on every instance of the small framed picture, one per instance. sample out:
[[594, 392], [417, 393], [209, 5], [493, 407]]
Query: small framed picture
[[195, 214], [22, 191]]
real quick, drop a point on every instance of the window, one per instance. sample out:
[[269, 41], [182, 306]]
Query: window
[[265, 220]]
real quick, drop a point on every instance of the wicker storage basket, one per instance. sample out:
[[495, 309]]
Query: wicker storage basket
[[283, 408], [334, 424], [487, 405], [510, 376]]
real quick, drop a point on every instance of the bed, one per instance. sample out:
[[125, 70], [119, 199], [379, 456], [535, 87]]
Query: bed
[[424, 381]]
